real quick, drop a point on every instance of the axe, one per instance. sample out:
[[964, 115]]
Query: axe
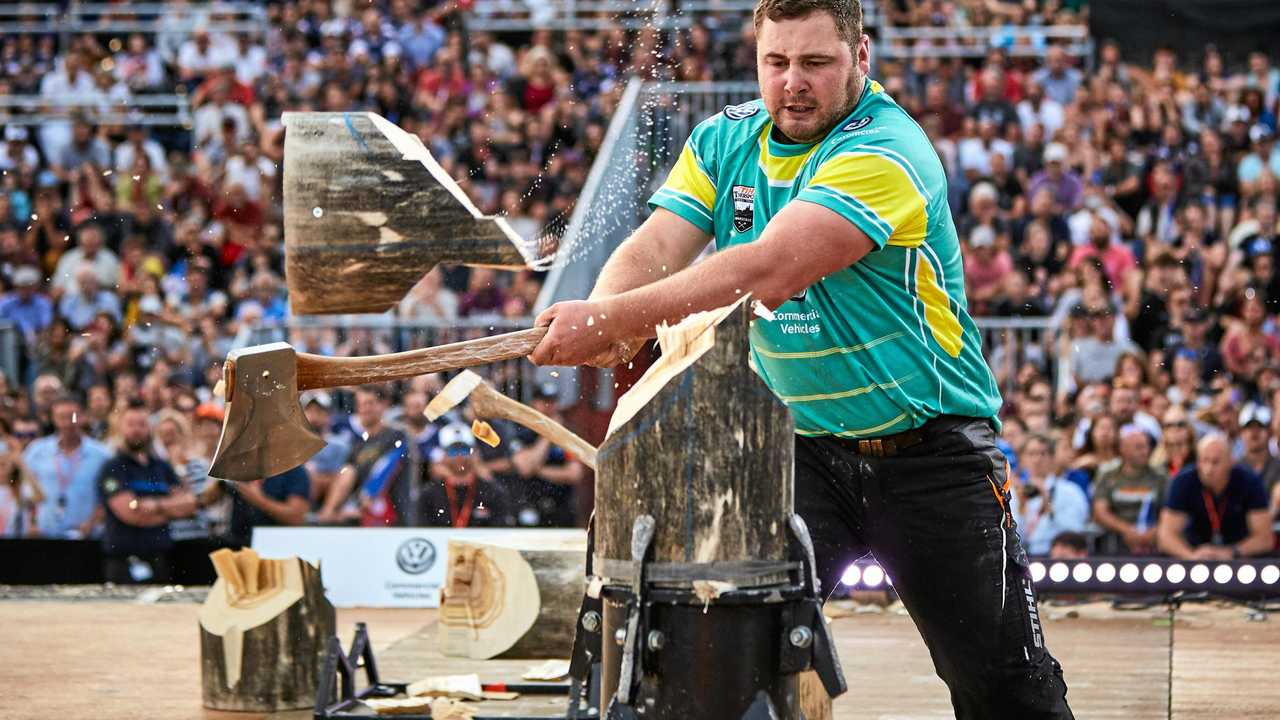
[[368, 211], [265, 433], [487, 403]]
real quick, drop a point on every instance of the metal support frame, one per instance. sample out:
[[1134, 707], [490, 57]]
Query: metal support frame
[[338, 699]]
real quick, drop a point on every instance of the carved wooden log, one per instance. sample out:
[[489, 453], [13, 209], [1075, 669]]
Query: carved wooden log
[[264, 630], [702, 445], [368, 211], [511, 602]]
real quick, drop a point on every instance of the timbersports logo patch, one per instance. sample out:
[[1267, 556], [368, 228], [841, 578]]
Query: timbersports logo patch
[[744, 207], [742, 111], [416, 555], [857, 124]]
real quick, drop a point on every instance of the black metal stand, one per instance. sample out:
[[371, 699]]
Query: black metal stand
[[668, 652], [337, 697]]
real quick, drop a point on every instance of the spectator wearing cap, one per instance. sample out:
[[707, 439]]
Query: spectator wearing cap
[[464, 495], [1264, 157], [545, 491], [324, 467], [1215, 510], [65, 465], [18, 154], [1058, 177], [378, 484], [1194, 338], [26, 307], [985, 268], [1127, 498], [1043, 504], [1255, 445]]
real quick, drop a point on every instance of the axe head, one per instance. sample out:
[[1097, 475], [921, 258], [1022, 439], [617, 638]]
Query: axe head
[[264, 432], [453, 393]]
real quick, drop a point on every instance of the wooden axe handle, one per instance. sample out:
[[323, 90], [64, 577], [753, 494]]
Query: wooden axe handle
[[487, 403], [320, 371]]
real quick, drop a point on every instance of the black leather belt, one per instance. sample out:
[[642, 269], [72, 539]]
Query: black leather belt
[[890, 445]]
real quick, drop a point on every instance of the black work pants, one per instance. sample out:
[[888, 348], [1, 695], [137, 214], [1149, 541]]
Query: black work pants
[[936, 517]]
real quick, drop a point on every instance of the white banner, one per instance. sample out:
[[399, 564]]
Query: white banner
[[390, 567]]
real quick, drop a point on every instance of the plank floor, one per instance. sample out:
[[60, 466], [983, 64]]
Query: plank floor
[[132, 661]]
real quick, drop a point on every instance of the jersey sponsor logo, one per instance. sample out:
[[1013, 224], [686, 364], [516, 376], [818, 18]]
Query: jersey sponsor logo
[[744, 207], [742, 111], [857, 124]]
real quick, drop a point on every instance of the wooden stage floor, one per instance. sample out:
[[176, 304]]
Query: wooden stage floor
[[121, 660]]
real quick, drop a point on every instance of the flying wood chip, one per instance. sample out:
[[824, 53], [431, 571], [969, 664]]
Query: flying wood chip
[[485, 433]]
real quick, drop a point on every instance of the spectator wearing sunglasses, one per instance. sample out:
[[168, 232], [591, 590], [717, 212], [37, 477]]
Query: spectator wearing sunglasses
[[464, 495]]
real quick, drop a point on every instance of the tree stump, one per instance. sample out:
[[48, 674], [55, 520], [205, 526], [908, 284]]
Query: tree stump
[[264, 631], [511, 601]]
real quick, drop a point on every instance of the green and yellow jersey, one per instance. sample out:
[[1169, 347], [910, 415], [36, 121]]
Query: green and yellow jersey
[[881, 346]]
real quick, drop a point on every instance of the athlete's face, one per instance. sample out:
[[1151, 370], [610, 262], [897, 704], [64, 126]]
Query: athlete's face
[[810, 77]]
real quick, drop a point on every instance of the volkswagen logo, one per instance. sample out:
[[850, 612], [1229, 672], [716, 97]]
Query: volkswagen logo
[[416, 555]]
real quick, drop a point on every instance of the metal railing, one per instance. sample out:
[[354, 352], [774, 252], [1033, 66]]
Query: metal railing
[[152, 110], [903, 43], [525, 15], [360, 335], [120, 19]]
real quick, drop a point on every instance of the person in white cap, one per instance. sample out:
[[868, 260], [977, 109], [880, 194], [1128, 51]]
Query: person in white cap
[[1255, 442], [1057, 175], [26, 306], [462, 497]]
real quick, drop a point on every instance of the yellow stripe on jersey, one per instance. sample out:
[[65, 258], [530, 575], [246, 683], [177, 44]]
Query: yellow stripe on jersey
[[883, 186], [854, 433], [943, 324], [688, 178], [781, 171]]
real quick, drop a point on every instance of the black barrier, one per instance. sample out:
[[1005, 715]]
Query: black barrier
[[1236, 27], [43, 561]]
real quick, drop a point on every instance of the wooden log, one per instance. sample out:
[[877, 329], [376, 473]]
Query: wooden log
[[703, 446], [263, 637], [511, 601], [368, 211], [814, 701]]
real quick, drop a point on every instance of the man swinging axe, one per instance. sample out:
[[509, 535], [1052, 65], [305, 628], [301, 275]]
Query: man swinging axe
[[828, 204]]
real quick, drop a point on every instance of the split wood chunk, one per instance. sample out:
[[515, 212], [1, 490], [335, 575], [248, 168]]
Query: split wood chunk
[[703, 416], [264, 630], [438, 708], [815, 704], [504, 600], [485, 433], [457, 687]]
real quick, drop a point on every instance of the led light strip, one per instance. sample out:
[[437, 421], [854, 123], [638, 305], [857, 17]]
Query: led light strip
[[1133, 576]]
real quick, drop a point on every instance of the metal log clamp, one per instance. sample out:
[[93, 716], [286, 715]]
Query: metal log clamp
[[620, 707], [806, 641]]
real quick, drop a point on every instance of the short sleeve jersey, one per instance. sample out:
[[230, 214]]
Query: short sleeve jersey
[[1244, 494], [878, 347]]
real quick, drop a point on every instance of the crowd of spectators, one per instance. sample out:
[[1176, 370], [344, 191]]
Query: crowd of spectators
[[1131, 206]]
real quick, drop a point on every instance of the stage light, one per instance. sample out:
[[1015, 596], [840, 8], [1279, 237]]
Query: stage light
[[1059, 572], [1151, 573], [1106, 572], [1037, 572], [1199, 574], [1081, 573], [872, 576], [851, 576], [1270, 575], [1128, 573], [1222, 574], [1175, 573], [1246, 574]]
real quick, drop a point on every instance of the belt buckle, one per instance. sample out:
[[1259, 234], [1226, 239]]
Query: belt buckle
[[873, 447]]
